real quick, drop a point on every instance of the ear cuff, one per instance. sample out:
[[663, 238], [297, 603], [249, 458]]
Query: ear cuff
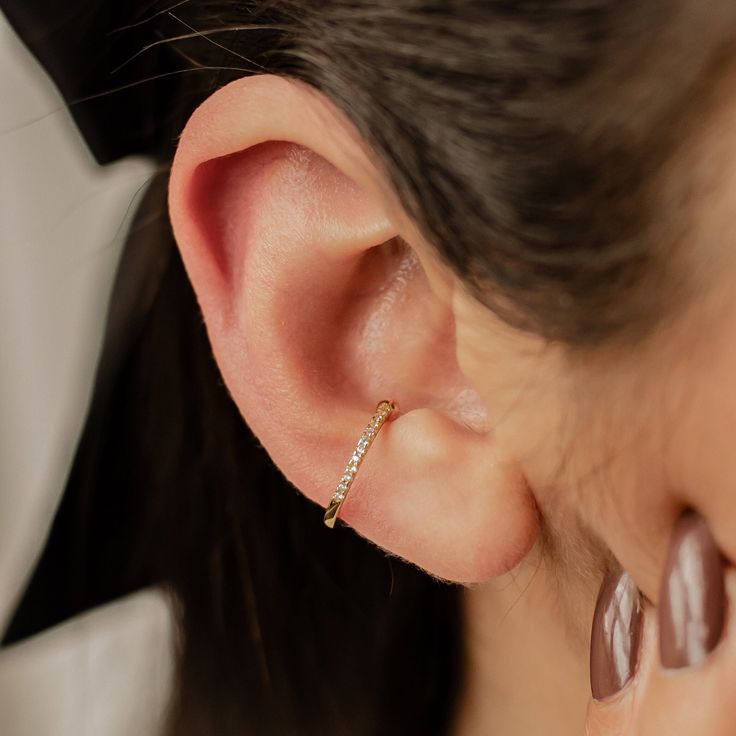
[[385, 411]]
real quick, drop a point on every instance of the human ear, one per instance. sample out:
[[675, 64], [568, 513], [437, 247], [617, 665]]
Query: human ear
[[317, 309]]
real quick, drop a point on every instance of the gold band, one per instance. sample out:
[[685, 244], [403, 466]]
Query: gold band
[[384, 411]]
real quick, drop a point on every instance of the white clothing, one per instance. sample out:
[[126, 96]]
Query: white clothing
[[62, 222]]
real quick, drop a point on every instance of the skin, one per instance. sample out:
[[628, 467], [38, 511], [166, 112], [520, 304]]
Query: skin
[[518, 468]]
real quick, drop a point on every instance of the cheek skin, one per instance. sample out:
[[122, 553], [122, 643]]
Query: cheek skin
[[524, 384], [521, 382], [614, 449], [517, 375], [662, 423], [617, 445], [703, 447]]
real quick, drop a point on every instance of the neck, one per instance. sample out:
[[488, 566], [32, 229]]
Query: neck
[[526, 665]]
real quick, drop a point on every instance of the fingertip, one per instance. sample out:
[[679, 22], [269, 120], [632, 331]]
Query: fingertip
[[617, 714]]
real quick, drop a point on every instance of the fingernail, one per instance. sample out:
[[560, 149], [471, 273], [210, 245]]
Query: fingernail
[[616, 635], [693, 596]]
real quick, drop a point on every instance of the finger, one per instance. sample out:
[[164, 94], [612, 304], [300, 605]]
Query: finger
[[692, 690], [685, 684], [623, 650]]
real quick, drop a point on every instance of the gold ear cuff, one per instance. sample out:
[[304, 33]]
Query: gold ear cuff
[[384, 411]]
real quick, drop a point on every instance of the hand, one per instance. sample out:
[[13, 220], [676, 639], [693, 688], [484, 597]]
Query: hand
[[682, 653]]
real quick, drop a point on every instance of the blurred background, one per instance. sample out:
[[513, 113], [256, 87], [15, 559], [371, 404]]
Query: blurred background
[[63, 220]]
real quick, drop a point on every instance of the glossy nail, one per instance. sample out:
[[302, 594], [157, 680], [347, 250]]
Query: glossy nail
[[693, 596], [616, 635]]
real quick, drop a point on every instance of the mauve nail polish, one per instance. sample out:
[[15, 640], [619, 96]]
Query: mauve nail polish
[[616, 635], [693, 596]]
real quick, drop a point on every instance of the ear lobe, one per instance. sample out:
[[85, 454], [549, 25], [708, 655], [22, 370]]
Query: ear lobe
[[317, 309]]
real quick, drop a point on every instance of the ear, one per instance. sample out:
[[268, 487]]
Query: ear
[[317, 309]]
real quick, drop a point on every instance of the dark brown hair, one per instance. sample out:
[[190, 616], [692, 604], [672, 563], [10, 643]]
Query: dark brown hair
[[525, 138]]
